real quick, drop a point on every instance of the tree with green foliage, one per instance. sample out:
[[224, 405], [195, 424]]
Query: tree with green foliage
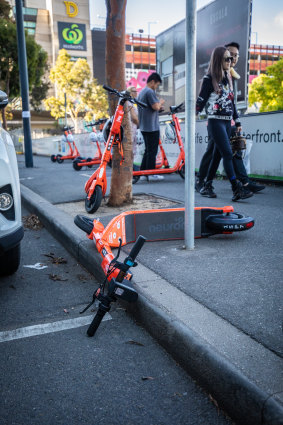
[[85, 98], [267, 90], [9, 65], [5, 9]]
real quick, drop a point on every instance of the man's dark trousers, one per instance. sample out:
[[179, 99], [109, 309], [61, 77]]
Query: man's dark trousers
[[151, 140]]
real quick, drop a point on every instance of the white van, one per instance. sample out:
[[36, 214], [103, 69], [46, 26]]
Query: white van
[[11, 229]]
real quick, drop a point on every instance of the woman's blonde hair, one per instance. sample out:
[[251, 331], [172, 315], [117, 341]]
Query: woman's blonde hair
[[132, 88]]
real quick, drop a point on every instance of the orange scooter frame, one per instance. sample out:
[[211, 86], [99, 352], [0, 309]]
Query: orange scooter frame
[[179, 166], [72, 152], [79, 162], [96, 185], [159, 225]]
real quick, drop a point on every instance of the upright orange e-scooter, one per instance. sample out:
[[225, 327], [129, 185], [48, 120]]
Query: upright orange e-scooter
[[79, 162], [96, 185], [162, 165], [73, 150]]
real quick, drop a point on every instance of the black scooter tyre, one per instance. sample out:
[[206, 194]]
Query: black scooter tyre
[[92, 204], [135, 179], [59, 159], [84, 223], [230, 222], [89, 160], [53, 158], [182, 172], [76, 165]]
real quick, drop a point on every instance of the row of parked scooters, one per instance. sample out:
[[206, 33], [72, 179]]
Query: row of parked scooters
[[96, 136], [112, 133]]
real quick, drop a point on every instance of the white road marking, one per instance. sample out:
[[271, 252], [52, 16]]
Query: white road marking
[[46, 328], [85, 175], [26, 178]]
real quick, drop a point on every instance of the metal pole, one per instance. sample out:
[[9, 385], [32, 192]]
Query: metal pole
[[24, 83], [66, 121], [190, 123]]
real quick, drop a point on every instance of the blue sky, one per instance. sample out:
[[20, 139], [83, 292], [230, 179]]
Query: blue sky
[[267, 17]]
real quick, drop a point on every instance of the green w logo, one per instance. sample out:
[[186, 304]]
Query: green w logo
[[72, 35]]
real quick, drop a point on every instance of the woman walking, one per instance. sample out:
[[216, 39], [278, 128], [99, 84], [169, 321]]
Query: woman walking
[[217, 95]]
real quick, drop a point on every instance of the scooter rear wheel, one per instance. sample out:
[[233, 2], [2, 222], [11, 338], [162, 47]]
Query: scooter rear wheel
[[59, 159], [89, 160], [92, 204], [84, 223], [182, 172], [76, 165], [135, 179], [53, 158]]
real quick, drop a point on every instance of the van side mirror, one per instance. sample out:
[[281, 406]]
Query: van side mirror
[[3, 99]]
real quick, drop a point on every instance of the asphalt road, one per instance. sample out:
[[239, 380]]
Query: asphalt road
[[237, 276], [120, 376]]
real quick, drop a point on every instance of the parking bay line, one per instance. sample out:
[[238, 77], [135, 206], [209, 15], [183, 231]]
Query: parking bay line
[[46, 328]]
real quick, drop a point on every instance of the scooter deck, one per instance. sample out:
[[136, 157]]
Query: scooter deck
[[157, 225]]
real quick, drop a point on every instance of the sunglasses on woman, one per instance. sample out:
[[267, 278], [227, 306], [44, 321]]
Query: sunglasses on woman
[[229, 59]]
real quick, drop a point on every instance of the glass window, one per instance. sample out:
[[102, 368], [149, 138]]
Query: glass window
[[167, 66]]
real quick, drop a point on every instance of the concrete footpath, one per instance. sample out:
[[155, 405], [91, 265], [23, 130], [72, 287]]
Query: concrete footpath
[[217, 309]]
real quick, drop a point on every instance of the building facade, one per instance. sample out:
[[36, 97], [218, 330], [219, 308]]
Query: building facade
[[57, 24], [140, 57], [262, 56]]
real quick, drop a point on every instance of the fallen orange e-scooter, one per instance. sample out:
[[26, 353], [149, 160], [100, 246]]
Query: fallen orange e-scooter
[[96, 185], [155, 225], [94, 137], [73, 150], [162, 165]]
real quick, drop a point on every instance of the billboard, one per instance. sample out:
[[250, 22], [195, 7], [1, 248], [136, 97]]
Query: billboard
[[218, 23], [72, 36]]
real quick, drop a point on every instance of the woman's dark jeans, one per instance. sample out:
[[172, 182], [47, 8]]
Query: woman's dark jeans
[[220, 131], [239, 167]]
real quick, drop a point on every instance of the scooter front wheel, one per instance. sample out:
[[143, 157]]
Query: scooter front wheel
[[181, 171], [84, 223], [229, 222], [59, 159], [76, 165], [92, 204], [89, 160], [53, 158]]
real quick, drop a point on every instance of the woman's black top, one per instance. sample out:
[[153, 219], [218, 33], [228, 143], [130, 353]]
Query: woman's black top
[[218, 105]]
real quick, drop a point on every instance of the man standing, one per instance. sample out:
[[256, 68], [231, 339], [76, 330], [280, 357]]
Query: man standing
[[149, 122]]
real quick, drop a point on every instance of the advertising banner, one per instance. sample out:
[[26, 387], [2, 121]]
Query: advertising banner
[[218, 23], [72, 36]]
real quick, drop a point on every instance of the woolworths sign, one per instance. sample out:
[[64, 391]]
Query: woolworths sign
[[71, 36]]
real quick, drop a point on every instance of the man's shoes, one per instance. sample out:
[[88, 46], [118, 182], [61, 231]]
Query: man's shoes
[[208, 191], [143, 178], [155, 177], [241, 192], [199, 185], [254, 187]]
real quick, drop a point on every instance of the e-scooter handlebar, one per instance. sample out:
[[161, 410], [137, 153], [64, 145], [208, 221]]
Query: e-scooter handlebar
[[135, 250], [97, 122], [141, 104], [125, 95]]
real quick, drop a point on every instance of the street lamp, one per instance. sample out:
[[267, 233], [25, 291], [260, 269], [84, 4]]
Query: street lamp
[[151, 23]]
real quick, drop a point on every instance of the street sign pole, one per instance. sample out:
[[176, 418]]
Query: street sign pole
[[24, 83], [190, 122]]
